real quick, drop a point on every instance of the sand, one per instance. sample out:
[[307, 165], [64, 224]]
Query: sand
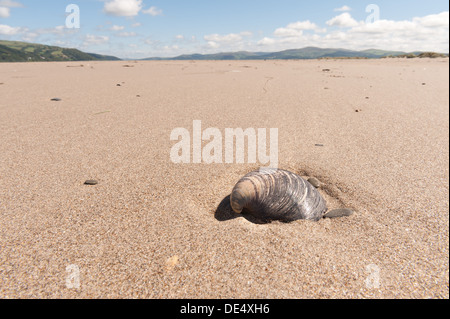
[[151, 228]]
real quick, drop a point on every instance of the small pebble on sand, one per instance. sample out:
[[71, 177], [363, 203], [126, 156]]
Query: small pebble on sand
[[314, 182], [90, 182], [341, 212], [172, 262]]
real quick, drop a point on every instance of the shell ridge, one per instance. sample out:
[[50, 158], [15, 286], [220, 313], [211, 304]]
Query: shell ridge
[[283, 195]]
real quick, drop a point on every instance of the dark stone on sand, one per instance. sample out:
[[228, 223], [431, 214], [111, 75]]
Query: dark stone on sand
[[424, 84], [90, 182], [319, 145], [326, 70], [118, 84], [314, 182], [340, 212], [56, 99]]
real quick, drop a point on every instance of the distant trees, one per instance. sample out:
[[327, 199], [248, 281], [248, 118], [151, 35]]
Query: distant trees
[[432, 55]]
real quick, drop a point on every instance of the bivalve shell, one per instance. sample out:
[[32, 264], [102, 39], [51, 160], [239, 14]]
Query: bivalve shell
[[275, 194]]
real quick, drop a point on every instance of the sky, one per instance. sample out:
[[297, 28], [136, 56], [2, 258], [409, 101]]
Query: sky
[[134, 29]]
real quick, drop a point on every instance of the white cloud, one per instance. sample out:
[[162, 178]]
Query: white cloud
[[266, 41], [427, 33], [343, 9], [126, 34], [386, 27], [232, 37], [30, 36], [10, 4], [434, 20], [296, 29], [179, 37], [303, 25], [287, 32], [170, 49], [91, 39], [213, 45], [8, 30], [25, 34], [153, 11], [117, 28], [226, 42], [4, 12], [5, 5], [59, 30], [343, 20], [128, 8], [227, 38], [123, 8]]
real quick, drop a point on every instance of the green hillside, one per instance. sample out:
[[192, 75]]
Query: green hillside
[[382, 53], [11, 55], [15, 51]]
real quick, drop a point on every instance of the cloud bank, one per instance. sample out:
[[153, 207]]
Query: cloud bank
[[428, 33], [341, 30]]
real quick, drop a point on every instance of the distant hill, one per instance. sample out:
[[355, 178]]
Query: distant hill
[[15, 51], [305, 53], [382, 53]]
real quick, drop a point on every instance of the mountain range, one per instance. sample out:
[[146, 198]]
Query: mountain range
[[305, 53], [15, 51]]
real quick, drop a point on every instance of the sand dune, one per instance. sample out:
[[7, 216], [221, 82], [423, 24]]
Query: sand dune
[[151, 228]]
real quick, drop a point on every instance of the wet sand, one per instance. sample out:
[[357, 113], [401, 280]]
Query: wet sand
[[152, 228]]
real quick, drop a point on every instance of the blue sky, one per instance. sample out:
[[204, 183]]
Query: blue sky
[[145, 28]]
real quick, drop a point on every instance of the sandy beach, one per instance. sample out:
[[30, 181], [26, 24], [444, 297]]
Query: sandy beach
[[152, 228]]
